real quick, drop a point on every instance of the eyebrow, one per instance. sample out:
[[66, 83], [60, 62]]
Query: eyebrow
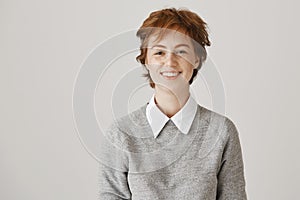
[[178, 45]]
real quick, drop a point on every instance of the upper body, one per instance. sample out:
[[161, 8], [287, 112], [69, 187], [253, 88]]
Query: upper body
[[203, 163], [172, 148]]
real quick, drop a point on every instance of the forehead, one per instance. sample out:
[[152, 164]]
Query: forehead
[[169, 37]]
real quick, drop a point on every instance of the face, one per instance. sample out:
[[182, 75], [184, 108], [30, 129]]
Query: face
[[171, 60]]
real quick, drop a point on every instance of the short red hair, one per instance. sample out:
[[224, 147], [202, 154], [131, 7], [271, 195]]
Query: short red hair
[[183, 20]]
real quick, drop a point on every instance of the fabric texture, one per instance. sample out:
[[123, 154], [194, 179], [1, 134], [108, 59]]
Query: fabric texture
[[205, 164]]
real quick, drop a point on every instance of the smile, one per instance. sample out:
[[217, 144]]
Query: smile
[[170, 74]]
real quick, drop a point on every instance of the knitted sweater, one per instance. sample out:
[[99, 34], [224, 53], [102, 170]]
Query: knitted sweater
[[205, 164]]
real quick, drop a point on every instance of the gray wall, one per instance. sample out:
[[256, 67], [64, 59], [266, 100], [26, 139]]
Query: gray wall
[[255, 46]]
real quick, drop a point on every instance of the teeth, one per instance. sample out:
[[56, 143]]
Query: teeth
[[170, 74]]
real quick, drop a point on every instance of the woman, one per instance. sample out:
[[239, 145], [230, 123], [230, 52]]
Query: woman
[[173, 148]]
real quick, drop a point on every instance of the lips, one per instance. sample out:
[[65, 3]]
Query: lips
[[170, 74]]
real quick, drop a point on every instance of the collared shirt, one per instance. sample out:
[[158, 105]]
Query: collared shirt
[[183, 119]]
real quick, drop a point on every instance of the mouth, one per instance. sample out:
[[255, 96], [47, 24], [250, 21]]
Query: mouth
[[170, 75]]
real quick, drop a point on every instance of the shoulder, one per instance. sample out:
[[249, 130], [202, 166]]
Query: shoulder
[[219, 133], [216, 121], [124, 127]]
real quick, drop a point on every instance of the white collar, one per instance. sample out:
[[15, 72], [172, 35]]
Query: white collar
[[183, 119]]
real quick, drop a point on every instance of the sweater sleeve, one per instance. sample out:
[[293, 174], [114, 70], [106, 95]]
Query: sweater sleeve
[[113, 172], [113, 184], [231, 181]]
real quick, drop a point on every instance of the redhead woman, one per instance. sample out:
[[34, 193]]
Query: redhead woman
[[172, 147]]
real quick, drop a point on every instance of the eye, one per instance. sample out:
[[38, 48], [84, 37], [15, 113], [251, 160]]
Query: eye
[[181, 52], [158, 53]]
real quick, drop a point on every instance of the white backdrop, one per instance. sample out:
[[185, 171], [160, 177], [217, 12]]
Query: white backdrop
[[255, 45]]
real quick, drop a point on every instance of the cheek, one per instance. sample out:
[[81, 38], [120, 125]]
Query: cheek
[[152, 60], [189, 60], [152, 63], [188, 63], [188, 70], [148, 59]]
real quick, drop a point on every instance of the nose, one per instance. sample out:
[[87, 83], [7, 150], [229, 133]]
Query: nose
[[170, 59]]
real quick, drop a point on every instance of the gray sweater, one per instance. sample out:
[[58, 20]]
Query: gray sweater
[[205, 164]]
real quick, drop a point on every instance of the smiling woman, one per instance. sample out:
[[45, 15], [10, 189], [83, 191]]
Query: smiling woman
[[173, 148]]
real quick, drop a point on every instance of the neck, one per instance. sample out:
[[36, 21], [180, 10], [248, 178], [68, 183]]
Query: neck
[[170, 102]]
